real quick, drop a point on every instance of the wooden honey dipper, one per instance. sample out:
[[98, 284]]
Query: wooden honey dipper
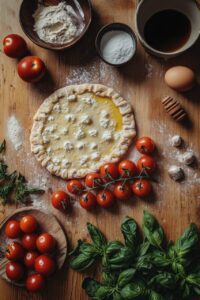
[[174, 108]]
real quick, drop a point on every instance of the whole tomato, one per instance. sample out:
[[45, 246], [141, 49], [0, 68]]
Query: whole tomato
[[145, 145], [45, 265], [29, 241], [109, 171], [28, 224], [31, 69], [146, 164], [14, 271], [45, 243], [29, 259], [74, 186], [15, 251], [12, 229], [14, 46], [105, 198], [35, 282], [141, 187], [127, 168], [60, 200], [88, 200], [93, 180], [122, 191]]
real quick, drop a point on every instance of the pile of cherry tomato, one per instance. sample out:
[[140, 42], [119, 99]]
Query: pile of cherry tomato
[[112, 182], [30, 254]]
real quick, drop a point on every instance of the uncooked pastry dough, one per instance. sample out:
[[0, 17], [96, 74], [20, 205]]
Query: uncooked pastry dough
[[176, 173], [80, 127]]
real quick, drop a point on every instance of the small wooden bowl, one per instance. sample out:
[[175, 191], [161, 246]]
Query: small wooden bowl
[[26, 12], [47, 223]]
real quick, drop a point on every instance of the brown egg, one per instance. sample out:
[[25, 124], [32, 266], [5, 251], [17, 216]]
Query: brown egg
[[180, 78]]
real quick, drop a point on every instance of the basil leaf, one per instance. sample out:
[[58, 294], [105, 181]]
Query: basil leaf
[[3, 169], [109, 278], [103, 292], [164, 280], [91, 286], [153, 232], [82, 262], [188, 241], [97, 237], [144, 248], [122, 259], [155, 296], [160, 259], [126, 277], [3, 146], [178, 268], [116, 296], [144, 264], [134, 290], [113, 248], [185, 289], [193, 279], [129, 230]]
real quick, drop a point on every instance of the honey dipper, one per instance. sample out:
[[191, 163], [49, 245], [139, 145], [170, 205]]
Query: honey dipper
[[174, 108]]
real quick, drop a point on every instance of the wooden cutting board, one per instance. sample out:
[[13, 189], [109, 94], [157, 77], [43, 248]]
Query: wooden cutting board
[[141, 83]]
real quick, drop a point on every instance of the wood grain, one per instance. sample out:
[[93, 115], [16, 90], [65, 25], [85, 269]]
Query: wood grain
[[140, 82]]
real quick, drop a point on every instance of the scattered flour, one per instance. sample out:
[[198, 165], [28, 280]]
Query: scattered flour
[[14, 132]]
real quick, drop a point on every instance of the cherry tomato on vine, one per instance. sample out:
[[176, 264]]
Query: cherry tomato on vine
[[29, 241], [105, 198], [74, 186], [122, 191], [146, 164], [60, 200], [88, 200], [35, 282], [15, 251], [45, 265], [28, 224], [93, 180], [14, 271], [14, 46], [29, 259], [141, 187], [31, 69], [109, 171], [145, 145], [127, 168], [46, 243], [12, 229]]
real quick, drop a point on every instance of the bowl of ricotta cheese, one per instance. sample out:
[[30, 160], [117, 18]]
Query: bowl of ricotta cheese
[[55, 27]]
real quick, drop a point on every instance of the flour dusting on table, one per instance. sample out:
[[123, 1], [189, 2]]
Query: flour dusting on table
[[14, 132]]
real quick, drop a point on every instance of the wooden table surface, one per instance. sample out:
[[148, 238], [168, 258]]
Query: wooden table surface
[[141, 83]]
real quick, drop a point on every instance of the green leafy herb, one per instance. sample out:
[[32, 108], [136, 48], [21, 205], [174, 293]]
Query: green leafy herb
[[3, 146], [134, 291], [130, 232], [97, 237]]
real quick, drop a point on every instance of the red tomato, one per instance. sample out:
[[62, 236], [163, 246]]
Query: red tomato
[[60, 200], [93, 180], [127, 168], [146, 164], [35, 282], [109, 171], [45, 265], [141, 187], [31, 69], [75, 186], [14, 271], [105, 198], [29, 241], [28, 224], [12, 229], [14, 46], [29, 259], [88, 200], [145, 145], [45, 243], [122, 191], [15, 251]]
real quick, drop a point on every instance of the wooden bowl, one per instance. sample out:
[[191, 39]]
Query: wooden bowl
[[27, 22], [48, 223]]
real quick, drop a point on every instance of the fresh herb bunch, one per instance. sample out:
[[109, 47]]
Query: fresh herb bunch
[[143, 267], [13, 186]]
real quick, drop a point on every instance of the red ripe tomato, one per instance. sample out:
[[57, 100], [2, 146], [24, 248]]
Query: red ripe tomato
[[29, 259], [14, 271], [35, 282], [28, 224], [146, 164], [122, 191], [93, 180], [12, 229], [145, 145], [45, 265], [60, 200], [75, 186], [14, 46], [15, 251], [109, 171], [141, 187], [45, 243], [88, 200], [29, 241], [127, 168], [105, 198], [31, 69]]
